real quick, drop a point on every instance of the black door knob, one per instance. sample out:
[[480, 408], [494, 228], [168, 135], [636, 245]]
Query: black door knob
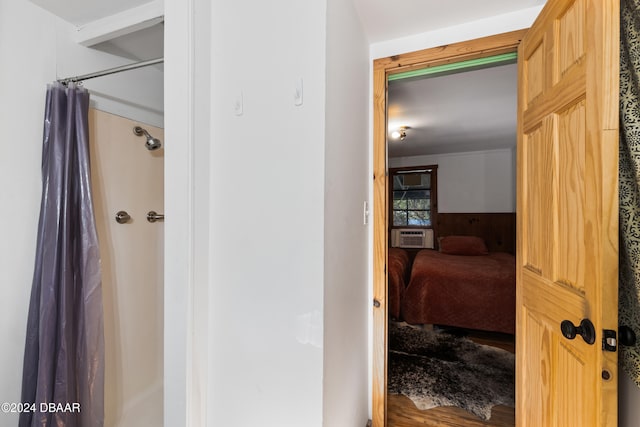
[[627, 336], [585, 330]]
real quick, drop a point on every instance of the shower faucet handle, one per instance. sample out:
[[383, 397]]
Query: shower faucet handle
[[122, 217], [153, 216]]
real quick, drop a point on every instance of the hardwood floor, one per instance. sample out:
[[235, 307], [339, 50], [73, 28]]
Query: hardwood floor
[[401, 412], [503, 341]]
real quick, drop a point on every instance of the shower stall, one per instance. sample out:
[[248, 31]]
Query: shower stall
[[127, 171], [128, 178], [95, 335]]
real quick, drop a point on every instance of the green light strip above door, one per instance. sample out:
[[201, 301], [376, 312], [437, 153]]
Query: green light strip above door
[[502, 59]]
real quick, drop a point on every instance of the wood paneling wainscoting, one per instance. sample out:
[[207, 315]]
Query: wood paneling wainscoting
[[497, 229]]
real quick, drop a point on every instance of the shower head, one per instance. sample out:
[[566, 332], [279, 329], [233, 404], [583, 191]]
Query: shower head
[[152, 143]]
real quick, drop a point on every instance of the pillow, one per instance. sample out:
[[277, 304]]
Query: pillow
[[463, 245]]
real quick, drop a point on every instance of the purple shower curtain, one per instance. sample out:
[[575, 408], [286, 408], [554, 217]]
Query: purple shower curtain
[[63, 374]]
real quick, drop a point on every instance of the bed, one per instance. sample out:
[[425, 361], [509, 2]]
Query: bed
[[462, 285], [399, 265]]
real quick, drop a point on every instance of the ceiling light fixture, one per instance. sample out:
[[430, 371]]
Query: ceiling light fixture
[[400, 133]]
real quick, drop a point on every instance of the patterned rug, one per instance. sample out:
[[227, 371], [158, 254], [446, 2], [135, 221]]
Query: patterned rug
[[439, 369]]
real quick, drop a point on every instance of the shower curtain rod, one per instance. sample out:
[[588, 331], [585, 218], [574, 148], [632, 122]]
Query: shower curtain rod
[[111, 71]]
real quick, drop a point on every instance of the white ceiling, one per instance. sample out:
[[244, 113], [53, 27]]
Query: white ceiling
[[144, 44], [81, 12], [468, 111], [390, 19], [381, 19]]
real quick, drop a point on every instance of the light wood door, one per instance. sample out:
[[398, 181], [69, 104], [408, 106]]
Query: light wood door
[[567, 214]]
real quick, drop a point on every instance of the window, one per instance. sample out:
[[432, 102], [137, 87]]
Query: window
[[413, 196]]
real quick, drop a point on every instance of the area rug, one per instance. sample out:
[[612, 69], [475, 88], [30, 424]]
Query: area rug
[[440, 369]]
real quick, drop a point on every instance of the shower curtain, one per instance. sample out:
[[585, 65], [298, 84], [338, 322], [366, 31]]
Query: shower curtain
[[63, 374], [629, 176]]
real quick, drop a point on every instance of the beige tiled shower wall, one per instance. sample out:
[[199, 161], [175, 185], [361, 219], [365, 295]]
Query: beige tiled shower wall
[[128, 177]]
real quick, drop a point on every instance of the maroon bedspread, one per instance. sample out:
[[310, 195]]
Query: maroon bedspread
[[475, 292], [398, 272]]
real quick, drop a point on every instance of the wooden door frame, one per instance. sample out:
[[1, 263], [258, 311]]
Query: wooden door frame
[[382, 68]]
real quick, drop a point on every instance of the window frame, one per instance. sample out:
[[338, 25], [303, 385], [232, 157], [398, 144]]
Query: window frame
[[433, 196]]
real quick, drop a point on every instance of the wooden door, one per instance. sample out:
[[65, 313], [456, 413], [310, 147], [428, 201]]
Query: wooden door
[[567, 214]]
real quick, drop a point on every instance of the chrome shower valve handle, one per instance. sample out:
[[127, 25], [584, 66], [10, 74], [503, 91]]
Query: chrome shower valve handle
[[153, 216], [122, 217]]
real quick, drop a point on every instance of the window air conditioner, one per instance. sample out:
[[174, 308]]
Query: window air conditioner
[[411, 238]]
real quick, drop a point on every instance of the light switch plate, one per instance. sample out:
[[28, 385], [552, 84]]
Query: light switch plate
[[365, 213]]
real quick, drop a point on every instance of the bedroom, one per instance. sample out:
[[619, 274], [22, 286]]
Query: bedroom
[[452, 173]]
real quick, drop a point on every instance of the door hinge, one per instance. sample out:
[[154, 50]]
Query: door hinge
[[609, 340]]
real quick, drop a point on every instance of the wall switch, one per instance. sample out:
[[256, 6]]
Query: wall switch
[[365, 213], [297, 94], [238, 104]]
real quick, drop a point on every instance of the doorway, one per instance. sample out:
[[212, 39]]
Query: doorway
[[383, 68]]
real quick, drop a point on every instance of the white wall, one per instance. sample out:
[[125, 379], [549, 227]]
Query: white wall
[[267, 218], [346, 305], [473, 182], [28, 64], [179, 277], [272, 276]]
